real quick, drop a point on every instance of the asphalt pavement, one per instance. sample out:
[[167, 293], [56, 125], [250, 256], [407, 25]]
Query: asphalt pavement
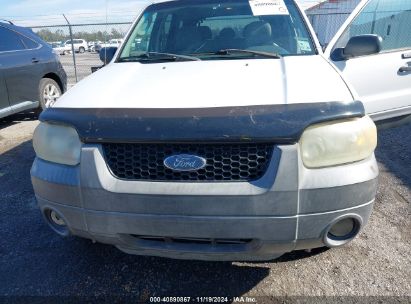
[[84, 63], [36, 262]]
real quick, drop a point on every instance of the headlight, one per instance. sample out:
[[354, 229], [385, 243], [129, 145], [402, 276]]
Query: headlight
[[57, 144], [339, 142]]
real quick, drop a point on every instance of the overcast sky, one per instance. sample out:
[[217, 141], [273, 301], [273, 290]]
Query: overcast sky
[[39, 12]]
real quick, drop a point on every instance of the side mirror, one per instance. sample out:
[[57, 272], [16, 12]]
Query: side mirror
[[107, 54], [357, 46]]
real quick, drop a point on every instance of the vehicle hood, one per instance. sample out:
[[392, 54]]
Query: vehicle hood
[[201, 84]]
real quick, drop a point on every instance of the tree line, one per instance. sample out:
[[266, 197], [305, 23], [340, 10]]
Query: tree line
[[60, 35]]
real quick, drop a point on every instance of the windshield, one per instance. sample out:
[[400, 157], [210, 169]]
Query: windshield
[[214, 30]]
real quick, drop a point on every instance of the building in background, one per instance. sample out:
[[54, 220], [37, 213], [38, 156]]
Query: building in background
[[327, 17]]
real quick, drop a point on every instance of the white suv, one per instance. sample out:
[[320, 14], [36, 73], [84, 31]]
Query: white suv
[[382, 79], [80, 45], [220, 131]]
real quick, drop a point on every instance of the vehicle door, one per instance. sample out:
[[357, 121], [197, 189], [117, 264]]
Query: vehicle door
[[21, 67], [4, 98], [383, 79]]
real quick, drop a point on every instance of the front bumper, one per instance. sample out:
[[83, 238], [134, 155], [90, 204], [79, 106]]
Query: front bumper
[[290, 207]]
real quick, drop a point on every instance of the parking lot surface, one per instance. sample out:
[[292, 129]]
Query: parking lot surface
[[84, 63], [36, 262]]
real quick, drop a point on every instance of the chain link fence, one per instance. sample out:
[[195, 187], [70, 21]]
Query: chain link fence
[[87, 40], [328, 17], [327, 25]]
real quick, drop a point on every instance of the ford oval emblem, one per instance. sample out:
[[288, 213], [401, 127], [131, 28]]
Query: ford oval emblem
[[185, 162]]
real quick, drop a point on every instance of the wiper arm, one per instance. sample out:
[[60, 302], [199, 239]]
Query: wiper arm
[[188, 57], [259, 53], [158, 56], [226, 52]]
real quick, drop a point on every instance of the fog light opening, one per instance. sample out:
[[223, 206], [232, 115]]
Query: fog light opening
[[56, 222], [55, 217], [342, 231]]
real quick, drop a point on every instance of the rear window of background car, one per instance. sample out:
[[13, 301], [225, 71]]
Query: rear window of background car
[[12, 41], [30, 44]]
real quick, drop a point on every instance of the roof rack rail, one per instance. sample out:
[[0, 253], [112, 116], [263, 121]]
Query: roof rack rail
[[7, 21]]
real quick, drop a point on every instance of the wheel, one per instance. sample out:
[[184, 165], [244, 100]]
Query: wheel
[[49, 93], [81, 50]]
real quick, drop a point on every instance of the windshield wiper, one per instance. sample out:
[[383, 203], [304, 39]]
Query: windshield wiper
[[156, 56], [227, 52]]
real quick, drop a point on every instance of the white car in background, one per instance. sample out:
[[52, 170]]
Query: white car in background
[[80, 45], [92, 45], [111, 43], [61, 48]]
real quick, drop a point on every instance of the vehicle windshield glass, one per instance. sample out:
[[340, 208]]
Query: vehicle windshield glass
[[205, 29]]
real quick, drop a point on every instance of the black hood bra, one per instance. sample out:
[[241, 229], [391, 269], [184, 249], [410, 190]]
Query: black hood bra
[[261, 123]]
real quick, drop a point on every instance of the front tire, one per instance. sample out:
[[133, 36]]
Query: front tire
[[81, 50], [49, 91]]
